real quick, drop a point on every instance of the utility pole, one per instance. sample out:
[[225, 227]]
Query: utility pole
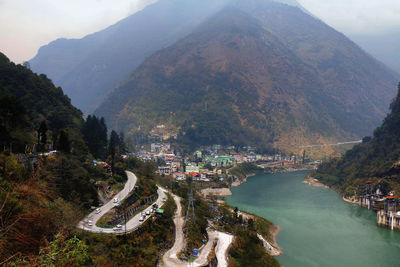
[[190, 215]]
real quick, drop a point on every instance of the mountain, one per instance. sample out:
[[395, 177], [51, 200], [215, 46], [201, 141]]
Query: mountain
[[27, 100], [89, 68], [40, 196], [376, 159], [258, 73]]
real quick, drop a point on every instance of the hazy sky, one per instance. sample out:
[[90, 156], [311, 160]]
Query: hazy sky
[[25, 25]]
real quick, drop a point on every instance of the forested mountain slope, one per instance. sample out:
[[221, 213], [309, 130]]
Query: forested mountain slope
[[260, 73], [377, 158]]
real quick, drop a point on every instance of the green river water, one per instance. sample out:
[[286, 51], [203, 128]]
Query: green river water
[[317, 227]]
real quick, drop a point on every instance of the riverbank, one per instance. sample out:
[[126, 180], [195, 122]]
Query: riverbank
[[271, 244], [314, 182], [352, 200]]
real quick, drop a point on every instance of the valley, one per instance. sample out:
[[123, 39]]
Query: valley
[[215, 133]]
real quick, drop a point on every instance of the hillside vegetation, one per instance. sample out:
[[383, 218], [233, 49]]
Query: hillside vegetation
[[34, 111], [377, 158], [260, 73], [44, 196]]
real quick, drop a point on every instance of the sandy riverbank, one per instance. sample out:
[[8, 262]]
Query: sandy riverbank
[[352, 200], [314, 182]]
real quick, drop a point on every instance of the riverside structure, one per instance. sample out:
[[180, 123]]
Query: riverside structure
[[389, 217]]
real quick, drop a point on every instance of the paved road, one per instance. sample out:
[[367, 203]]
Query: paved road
[[133, 223], [336, 144]]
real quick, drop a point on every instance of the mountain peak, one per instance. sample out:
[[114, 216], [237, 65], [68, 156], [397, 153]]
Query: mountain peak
[[238, 79]]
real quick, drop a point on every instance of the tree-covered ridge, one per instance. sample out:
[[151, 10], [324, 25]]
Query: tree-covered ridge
[[33, 110], [377, 158], [37, 94], [44, 195]]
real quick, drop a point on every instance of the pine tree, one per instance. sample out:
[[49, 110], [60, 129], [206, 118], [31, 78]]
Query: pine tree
[[63, 142], [42, 135]]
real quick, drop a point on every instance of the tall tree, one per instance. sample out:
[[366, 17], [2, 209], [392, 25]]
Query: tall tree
[[42, 135], [122, 145], [63, 142], [113, 147], [95, 135], [13, 119]]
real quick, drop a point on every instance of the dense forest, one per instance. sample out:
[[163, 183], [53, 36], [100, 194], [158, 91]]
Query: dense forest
[[48, 179], [376, 159]]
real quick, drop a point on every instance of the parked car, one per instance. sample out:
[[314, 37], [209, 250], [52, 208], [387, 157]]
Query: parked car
[[90, 223], [141, 219], [115, 200], [98, 210]]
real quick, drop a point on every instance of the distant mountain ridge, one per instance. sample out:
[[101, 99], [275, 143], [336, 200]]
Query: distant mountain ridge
[[89, 68], [258, 72], [279, 77]]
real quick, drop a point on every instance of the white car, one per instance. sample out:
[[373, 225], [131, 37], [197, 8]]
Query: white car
[[141, 219], [90, 223], [119, 226], [98, 211], [115, 200], [148, 212], [143, 213]]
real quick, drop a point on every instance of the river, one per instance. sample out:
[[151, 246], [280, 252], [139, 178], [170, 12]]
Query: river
[[317, 227]]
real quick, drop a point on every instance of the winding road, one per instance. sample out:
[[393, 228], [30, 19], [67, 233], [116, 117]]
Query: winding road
[[170, 258], [223, 240], [133, 223]]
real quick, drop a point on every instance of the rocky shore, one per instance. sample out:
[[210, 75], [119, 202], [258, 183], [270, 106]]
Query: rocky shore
[[271, 245]]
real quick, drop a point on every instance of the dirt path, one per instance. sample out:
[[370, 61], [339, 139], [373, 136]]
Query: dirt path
[[170, 258], [221, 250]]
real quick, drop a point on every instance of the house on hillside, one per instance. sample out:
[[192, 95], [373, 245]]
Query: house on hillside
[[179, 176]]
